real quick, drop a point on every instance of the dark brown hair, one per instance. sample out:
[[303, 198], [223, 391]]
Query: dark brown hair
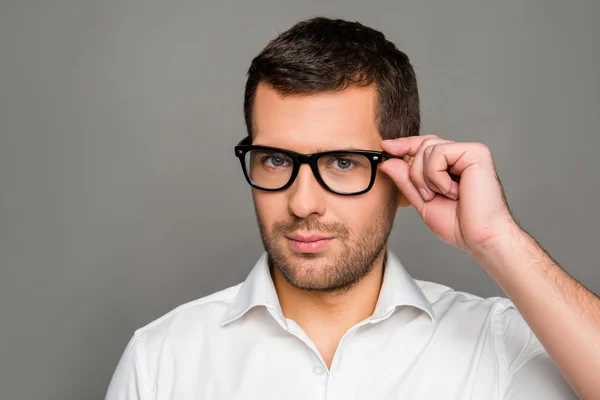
[[322, 54]]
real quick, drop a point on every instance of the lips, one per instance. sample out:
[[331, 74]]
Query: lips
[[308, 238], [309, 243]]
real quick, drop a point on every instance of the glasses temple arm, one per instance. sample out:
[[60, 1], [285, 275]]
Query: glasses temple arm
[[388, 155]]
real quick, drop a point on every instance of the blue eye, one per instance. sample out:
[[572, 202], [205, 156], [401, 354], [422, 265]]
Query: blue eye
[[343, 163], [275, 161]]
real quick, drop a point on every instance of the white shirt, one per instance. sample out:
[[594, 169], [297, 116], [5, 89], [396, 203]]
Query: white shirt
[[423, 341]]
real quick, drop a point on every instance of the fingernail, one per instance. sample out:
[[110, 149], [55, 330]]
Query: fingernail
[[451, 196], [424, 193]]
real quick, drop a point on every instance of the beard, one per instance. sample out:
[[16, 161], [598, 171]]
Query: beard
[[337, 270]]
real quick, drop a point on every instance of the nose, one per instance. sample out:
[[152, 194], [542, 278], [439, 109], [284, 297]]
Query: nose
[[307, 196]]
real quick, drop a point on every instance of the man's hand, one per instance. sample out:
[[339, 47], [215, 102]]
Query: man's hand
[[463, 204], [454, 187]]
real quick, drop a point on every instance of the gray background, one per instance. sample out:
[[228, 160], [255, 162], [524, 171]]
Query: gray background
[[120, 197]]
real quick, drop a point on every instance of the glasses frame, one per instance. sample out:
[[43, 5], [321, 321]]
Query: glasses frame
[[375, 157]]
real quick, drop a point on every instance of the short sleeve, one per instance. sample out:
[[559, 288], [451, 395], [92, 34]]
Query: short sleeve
[[130, 380], [529, 371]]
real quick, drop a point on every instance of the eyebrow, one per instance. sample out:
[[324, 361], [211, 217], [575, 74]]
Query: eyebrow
[[324, 149]]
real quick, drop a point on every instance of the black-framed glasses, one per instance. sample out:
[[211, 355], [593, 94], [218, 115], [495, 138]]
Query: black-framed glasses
[[343, 172]]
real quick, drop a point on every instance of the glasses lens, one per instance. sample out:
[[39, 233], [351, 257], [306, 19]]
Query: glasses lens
[[345, 173], [268, 169]]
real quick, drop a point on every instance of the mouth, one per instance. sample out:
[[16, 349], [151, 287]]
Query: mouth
[[312, 243]]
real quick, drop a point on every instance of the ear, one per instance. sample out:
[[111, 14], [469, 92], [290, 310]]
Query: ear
[[402, 200]]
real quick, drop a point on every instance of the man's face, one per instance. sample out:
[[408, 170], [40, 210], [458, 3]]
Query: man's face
[[353, 229]]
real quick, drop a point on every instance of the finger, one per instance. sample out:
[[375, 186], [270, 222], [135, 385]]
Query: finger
[[417, 169], [453, 158], [406, 145], [435, 172], [398, 170]]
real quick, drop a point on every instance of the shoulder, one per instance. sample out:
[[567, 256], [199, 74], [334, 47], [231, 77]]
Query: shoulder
[[511, 335], [498, 313], [188, 319], [445, 297], [173, 339]]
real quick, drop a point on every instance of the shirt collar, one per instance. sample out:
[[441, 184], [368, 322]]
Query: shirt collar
[[398, 289]]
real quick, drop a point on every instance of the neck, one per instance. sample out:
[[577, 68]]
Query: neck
[[342, 309]]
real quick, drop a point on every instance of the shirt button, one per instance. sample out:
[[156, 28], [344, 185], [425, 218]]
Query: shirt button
[[318, 370]]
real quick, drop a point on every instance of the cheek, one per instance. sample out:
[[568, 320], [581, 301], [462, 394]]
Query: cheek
[[359, 213], [270, 206], [369, 209]]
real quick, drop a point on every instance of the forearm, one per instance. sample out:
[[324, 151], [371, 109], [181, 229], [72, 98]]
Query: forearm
[[563, 314]]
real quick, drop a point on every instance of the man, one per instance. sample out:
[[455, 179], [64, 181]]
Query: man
[[328, 312]]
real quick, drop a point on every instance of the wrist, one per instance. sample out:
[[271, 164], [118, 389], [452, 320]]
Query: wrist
[[500, 249]]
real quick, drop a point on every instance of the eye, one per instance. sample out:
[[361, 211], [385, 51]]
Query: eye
[[275, 160], [342, 163]]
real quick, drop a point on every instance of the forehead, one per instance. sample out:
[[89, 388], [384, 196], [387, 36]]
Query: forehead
[[315, 122]]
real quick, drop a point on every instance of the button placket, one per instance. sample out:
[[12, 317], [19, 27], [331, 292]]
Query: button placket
[[341, 383], [296, 330]]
